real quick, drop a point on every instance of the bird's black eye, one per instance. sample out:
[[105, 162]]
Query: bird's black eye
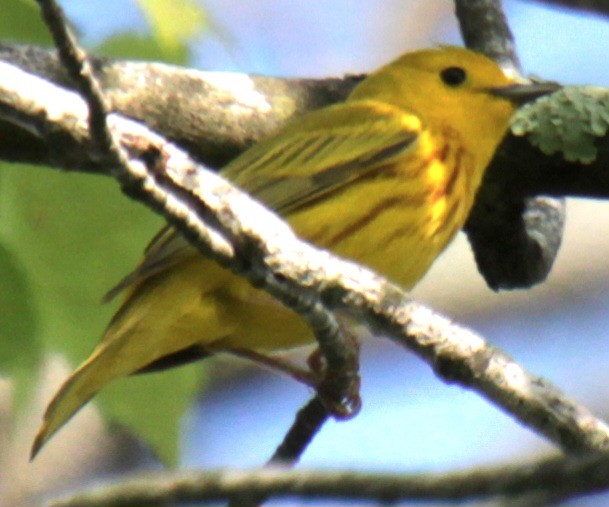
[[453, 76]]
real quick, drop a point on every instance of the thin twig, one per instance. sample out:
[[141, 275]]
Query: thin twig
[[309, 420], [340, 388], [307, 423], [78, 67]]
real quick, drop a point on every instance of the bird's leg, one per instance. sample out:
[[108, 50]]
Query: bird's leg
[[274, 362], [338, 387]]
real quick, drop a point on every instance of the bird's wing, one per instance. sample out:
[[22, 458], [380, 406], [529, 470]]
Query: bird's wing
[[322, 152], [314, 155]]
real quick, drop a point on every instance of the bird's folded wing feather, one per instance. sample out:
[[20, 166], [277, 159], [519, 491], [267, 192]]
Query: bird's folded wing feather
[[315, 155]]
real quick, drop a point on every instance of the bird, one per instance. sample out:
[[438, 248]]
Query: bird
[[386, 178]]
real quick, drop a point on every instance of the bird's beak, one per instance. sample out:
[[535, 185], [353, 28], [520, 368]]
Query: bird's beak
[[522, 93]]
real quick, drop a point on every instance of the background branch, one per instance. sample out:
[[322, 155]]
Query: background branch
[[467, 360], [190, 108], [213, 115], [595, 6], [564, 478], [312, 416], [456, 354], [515, 237], [484, 29]]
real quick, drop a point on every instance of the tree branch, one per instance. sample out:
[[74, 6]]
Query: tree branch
[[309, 420], [595, 6], [560, 478], [198, 201], [512, 247], [217, 115], [484, 29], [247, 238], [213, 115]]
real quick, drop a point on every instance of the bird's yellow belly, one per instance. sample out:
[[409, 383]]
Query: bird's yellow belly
[[400, 243], [398, 235]]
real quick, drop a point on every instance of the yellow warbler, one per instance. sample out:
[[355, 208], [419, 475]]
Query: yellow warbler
[[386, 178]]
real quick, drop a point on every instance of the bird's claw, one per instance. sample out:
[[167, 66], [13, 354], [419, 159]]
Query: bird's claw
[[338, 388]]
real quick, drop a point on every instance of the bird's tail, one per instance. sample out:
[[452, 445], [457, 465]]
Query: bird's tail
[[76, 391], [158, 326]]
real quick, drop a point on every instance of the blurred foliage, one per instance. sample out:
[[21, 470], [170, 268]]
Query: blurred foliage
[[140, 47], [173, 23], [21, 21], [67, 238], [20, 346]]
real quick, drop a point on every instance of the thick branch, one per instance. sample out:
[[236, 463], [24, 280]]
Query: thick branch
[[192, 198], [513, 248], [559, 478], [484, 29], [216, 115], [458, 355]]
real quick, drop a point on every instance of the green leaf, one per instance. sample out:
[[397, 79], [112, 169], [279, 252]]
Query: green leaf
[[21, 21], [138, 47], [174, 23], [75, 235], [20, 350]]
